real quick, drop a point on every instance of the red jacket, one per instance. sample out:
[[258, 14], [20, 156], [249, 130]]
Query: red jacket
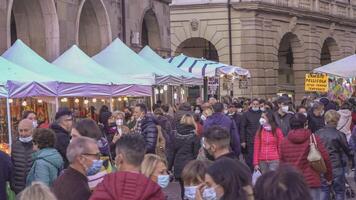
[[294, 151], [127, 186], [267, 146]]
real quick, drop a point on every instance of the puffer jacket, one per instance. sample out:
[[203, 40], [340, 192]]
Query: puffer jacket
[[46, 166], [149, 132], [249, 126], [21, 157], [295, 150], [345, 121], [336, 144], [62, 141], [267, 146], [187, 145]]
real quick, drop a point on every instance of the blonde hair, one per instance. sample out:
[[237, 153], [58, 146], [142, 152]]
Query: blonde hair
[[332, 117], [37, 191], [116, 113], [150, 163], [188, 120], [207, 112]]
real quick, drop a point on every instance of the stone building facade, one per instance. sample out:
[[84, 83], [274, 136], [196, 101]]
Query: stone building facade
[[277, 40], [51, 26]]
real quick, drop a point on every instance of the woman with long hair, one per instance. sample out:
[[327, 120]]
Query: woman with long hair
[[267, 144]]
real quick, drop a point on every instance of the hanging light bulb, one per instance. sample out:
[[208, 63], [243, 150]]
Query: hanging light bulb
[[103, 100], [11, 100], [125, 98], [94, 100], [76, 100], [175, 95], [112, 100], [39, 101], [119, 99], [24, 103], [64, 100], [86, 101], [165, 87], [156, 91], [161, 91]]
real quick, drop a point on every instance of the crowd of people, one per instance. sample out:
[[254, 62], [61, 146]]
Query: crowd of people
[[242, 149]]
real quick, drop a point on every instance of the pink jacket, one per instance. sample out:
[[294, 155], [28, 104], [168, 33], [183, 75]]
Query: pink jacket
[[266, 146]]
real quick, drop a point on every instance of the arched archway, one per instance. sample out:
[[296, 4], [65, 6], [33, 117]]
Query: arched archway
[[35, 22], [150, 32], [93, 27], [199, 48], [289, 60], [329, 51]]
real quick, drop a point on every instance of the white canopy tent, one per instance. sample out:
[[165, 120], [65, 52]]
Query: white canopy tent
[[345, 68]]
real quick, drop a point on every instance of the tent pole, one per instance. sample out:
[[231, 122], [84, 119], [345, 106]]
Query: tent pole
[[111, 104], [9, 121], [151, 102], [57, 104]]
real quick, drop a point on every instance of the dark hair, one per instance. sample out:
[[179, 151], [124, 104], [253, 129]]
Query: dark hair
[[26, 113], [63, 111], [88, 128], [185, 107], [218, 107], [283, 100], [218, 136], [132, 147], [346, 105], [143, 107], [156, 106], [262, 101], [103, 109], [195, 170], [285, 183], [227, 173], [301, 107], [254, 100], [297, 121], [104, 118], [44, 138], [158, 111], [165, 107], [271, 121]]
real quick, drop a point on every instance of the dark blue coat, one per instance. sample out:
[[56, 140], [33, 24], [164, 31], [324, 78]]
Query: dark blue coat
[[5, 173], [219, 119]]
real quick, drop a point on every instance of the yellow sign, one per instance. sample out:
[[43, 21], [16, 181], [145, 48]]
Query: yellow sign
[[316, 83]]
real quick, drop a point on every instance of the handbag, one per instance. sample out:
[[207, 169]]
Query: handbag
[[315, 159]]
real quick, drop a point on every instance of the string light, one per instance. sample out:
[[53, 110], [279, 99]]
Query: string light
[[86, 101], [11, 100], [64, 100], [76, 100], [24, 103], [156, 91], [125, 98], [161, 91], [103, 100], [120, 99], [39, 101], [175, 95], [94, 100], [165, 87]]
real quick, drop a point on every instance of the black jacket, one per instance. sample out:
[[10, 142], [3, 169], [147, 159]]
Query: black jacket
[[149, 132], [62, 141], [236, 118], [315, 122], [21, 156], [187, 145], [250, 122], [283, 122], [336, 144], [5, 173]]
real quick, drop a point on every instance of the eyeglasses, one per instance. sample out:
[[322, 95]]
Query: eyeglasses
[[97, 155], [24, 130]]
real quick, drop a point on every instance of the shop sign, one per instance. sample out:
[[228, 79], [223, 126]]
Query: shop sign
[[213, 84], [316, 82]]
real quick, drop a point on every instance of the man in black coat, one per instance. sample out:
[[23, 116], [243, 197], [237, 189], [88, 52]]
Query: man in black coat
[[234, 115], [316, 117], [146, 126], [283, 115], [5, 173], [21, 155], [248, 128], [62, 127]]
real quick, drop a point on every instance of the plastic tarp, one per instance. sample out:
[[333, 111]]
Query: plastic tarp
[[158, 62], [121, 59], [345, 67], [202, 67], [68, 83], [76, 61]]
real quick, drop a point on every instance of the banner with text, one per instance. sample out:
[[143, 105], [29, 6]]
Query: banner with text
[[316, 82]]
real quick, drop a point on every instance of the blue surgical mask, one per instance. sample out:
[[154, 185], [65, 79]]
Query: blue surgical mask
[[209, 194], [163, 180], [95, 167], [25, 139], [190, 192]]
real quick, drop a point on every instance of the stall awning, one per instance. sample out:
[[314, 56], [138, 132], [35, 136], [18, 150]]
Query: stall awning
[[206, 68], [345, 67]]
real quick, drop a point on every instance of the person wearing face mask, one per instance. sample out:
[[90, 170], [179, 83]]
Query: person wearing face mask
[[282, 115], [316, 117], [193, 175], [128, 182], [303, 110], [47, 161], [294, 152], [72, 184], [155, 168], [21, 151], [223, 181], [248, 128], [62, 126], [234, 115], [267, 144]]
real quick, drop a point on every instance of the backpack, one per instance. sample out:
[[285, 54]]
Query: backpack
[[161, 143]]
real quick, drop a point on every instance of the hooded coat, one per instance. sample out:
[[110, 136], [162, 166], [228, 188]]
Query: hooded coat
[[219, 119], [46, 166], [127, 186], [294, 151], [149, 131], [62, 141], [345, 121]]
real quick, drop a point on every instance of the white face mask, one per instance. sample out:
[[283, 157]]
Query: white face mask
[[263, 109], [263, 121], [35, 124], [305, 114], [209, 194], [226, 111], [202, 117], [285, 109], [239, 110], [197, 111], [25, 139], [119, 122], [189, 192]]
